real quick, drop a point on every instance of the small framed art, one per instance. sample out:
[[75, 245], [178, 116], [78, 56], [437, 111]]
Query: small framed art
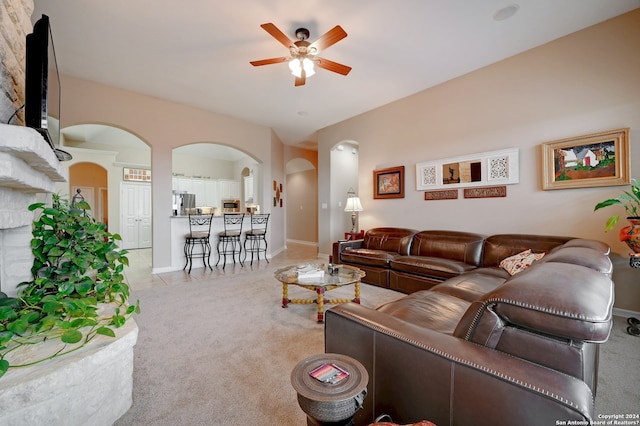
[[388, 183]]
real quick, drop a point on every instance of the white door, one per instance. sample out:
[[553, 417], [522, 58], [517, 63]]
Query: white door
[[135, 207]]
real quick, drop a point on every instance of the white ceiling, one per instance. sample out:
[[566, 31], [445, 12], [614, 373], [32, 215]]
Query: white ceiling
[[197, 52]]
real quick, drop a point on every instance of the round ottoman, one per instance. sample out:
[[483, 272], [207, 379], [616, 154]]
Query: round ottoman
[[327, 403]]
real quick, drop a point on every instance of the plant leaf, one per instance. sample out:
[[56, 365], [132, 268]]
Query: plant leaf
[[71, 336], [606, 203], [4, 366], [106, 331], [611, 223]]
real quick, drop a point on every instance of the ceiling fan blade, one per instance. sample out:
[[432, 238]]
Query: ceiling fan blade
[[302, 79], [331, 37], [278, 35], [332, 66], [269, 61]]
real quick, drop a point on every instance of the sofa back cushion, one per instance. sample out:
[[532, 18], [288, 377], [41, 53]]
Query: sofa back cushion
[[461, 246], [395, 240], [501, 246]]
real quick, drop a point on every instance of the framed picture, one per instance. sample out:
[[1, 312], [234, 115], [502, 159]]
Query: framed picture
[[136, 175], [599, 159], [388, 183]]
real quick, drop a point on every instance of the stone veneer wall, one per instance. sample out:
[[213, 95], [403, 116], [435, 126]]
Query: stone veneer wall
[[15, 24]]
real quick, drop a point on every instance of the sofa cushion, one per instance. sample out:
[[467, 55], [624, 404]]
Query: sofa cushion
[[436, 311], [464, 247], [498, 247], [430, 266], [584, 256], [471, 286], [394, 240], [599, 246], [379, 258]]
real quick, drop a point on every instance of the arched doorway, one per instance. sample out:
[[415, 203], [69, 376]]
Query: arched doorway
[[91, 181], [344, 172], [125, 158]]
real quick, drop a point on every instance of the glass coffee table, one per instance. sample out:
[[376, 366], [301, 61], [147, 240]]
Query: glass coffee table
[[342, 276]]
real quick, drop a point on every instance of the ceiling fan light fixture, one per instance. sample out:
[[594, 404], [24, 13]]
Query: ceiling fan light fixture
[[307, 64], [296, 65]]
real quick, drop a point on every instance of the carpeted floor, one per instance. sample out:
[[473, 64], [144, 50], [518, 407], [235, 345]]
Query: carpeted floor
[[217, 348]]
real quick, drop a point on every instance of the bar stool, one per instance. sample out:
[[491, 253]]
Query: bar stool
[[229, 239], [255, 236], [199, 233]]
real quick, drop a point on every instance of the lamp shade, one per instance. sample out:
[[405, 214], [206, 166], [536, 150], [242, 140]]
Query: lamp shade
[[353, 205]]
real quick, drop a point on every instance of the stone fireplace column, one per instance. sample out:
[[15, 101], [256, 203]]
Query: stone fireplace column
[[28, 167]]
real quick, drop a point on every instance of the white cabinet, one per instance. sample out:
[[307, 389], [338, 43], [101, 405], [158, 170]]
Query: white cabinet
[[211, 197], [197, 186], [229, 189], [182, 184]]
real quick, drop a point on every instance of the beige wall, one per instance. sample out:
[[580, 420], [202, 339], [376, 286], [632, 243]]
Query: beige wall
[[583, 83]]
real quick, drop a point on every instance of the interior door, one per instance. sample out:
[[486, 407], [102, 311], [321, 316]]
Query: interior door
[[135, 207], [144, 214]]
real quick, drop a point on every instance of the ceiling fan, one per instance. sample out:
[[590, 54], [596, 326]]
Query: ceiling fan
[[303, 55]]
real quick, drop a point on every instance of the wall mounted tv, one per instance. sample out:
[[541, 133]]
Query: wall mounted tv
[[42, 86]]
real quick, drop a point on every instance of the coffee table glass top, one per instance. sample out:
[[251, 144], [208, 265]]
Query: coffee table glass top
[[346, 275]]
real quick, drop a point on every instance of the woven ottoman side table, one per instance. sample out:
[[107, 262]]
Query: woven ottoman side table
[[326, 403]]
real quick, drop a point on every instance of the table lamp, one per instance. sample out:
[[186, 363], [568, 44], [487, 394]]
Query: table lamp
[[353, 206]]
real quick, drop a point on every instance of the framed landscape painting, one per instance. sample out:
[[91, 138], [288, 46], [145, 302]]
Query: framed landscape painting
[[388, 183], [599, 159]]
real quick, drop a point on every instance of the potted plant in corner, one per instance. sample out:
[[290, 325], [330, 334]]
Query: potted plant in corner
[[630, 200], [78, 289]]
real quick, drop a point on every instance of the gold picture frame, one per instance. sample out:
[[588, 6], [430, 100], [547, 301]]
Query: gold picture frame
[[597, 159]]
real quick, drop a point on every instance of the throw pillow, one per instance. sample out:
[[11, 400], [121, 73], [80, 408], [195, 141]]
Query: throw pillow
[[519, 262]]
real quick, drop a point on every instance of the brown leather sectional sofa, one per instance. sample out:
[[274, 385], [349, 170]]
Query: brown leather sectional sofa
[[470, 343]]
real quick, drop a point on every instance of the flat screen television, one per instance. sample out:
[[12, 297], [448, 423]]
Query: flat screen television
[[42, 86]]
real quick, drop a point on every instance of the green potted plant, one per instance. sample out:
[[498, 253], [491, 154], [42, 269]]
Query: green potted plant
[[77, 269], [630, 200]]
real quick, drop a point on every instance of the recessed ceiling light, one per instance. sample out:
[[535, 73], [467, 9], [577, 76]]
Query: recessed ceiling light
[[506, 12], [303, 113]]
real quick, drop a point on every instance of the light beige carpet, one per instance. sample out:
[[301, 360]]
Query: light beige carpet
[[219, 350]]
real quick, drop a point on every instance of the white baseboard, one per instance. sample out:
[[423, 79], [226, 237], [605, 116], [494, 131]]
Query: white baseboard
[[625, 313], [307, 243]]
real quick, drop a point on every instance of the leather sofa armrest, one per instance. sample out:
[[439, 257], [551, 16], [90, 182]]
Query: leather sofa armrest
[[418, 373], [340, 246]]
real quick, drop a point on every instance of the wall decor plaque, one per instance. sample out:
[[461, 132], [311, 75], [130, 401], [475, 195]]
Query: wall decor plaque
[[445, 194], [486, 192]]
